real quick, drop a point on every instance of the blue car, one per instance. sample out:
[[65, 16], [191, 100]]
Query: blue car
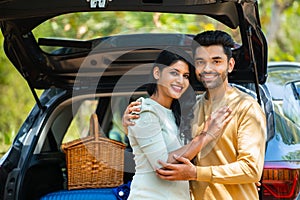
[[281, 177]]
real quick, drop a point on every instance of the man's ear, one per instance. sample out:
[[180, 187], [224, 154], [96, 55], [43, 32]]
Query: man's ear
[[231, 65], [156, 73]]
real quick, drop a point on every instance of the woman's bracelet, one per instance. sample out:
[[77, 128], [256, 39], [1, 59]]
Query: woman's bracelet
[[208, 133]]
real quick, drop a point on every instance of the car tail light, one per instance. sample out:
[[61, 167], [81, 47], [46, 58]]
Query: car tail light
[[280, 184]]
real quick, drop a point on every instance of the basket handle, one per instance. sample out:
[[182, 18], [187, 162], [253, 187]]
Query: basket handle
[[94, 126]]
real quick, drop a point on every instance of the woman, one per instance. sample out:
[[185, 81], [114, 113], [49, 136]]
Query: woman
[[155, 133]]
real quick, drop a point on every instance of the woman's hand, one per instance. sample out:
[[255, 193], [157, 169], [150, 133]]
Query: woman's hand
[[130, 113], [217, 121]]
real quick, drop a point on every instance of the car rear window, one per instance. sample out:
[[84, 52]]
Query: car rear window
[[278, 77], [92, 25]]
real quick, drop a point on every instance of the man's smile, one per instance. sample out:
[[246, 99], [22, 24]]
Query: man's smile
[[208, 76]]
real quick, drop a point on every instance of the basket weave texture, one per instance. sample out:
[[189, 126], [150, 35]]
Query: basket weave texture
[[94, 161]]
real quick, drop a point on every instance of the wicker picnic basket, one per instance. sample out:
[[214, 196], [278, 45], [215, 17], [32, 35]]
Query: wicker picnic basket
[[94, 161]]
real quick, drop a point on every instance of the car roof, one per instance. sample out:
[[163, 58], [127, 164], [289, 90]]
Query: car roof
[[62, 68]]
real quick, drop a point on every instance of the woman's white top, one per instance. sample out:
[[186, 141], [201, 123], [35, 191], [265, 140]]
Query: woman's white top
[[154, 135]]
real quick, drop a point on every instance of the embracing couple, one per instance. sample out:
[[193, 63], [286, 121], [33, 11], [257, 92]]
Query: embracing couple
[[228, 128]]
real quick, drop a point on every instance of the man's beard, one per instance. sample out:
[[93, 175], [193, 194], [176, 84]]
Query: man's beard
[[215, 83]]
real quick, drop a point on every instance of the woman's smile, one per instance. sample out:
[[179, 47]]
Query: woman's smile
[[177, 88]]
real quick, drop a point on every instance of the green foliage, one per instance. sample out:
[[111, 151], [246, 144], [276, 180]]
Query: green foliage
[[15, 102], [286, 45]]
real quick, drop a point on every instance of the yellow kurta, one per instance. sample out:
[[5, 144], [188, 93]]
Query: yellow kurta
[[229, 168]]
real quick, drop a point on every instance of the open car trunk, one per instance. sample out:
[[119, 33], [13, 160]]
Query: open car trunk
[[60, 69], [100, 68]]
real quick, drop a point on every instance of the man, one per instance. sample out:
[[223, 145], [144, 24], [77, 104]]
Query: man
[[230, 168]]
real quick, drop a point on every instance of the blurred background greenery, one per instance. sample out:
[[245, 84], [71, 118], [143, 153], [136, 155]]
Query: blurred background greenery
[[279, 18]]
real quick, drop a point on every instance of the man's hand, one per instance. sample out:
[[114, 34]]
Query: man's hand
[[128, 115], [183, 171]]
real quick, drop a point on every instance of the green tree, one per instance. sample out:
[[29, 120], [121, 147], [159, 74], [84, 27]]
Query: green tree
[[15, 101], [280, 21]]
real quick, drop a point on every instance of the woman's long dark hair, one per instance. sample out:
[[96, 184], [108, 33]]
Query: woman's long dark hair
[[182, 107]]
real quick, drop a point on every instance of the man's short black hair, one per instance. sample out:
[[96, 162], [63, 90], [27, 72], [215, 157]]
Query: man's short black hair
[[208, 38]]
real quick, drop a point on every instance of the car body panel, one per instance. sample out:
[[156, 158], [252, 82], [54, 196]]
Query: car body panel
[[283, 165], [285, 145], [282, 158]]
